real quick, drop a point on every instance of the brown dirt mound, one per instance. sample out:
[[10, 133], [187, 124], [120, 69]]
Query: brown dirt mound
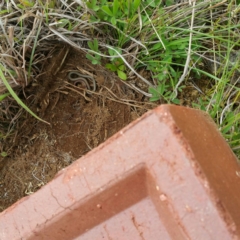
[[79, 121]]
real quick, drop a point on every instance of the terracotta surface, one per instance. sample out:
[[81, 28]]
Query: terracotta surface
[[168, 175]]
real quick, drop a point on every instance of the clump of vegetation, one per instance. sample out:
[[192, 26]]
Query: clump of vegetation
[[177, 46]]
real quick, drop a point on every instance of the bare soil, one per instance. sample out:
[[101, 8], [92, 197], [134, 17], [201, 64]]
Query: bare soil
[[79, 120]]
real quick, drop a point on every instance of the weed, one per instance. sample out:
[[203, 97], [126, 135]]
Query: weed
[[95, 58], [117, 65]]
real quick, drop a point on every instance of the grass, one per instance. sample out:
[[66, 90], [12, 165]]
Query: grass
[[178, 45], [16, 98]]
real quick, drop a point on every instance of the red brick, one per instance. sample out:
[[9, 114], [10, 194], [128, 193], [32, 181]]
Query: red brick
[[168, 175]]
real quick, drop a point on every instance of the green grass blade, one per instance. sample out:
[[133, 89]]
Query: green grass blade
[[18, 100], [2, 96]]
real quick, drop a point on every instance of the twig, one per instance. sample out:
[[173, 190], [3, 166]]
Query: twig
[[185, 71]]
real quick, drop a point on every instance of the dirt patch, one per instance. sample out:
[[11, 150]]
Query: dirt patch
[[80, 116]]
